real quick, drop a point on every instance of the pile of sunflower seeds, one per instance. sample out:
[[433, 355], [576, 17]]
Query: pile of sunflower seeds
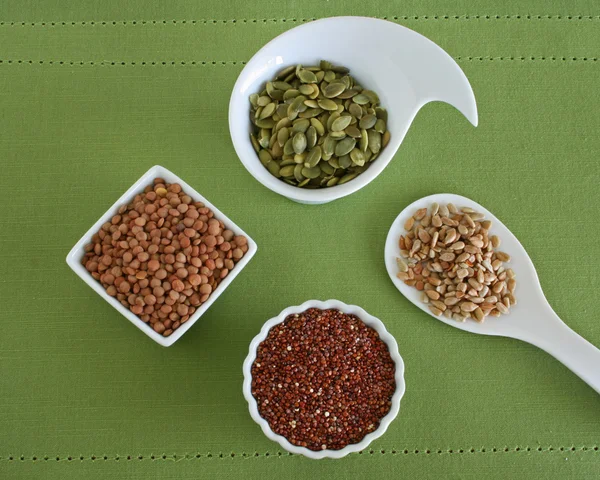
[[316, 127], [449, 255]]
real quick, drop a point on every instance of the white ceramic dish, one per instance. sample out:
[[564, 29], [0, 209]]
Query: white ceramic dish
[[531, 320], [76, 254], [406, 69], [371, 321]]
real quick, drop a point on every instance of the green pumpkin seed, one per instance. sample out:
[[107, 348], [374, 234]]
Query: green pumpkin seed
[[287, 171], [265, 123], [254, 99], [338, 135], [380, 126], [385, 139], [299, 142], [272, 138], [334, 89], [285, 72], [283, 123], [320, 74], [264, 156], [292, 113], [314, 157], [352, 131], [368, 121], [381, 113], [354, 109], [327, 104], [306, 76], [325, 65], [305, 89], [368, 155], [374, 141], [287, 161], [300, 125], [311, 172], [300, 157], [357, 157], [282, 85], [328, 146], [282, 110], [318, 126], [345, 161], [332, 118], [289, 181], [263, 101], [347, 178], [276, 149], [346, 81], [304, 182], [361, 99], [311, 103], [282, 136], [364, 140], [311, 137], [350, 93], [333, 181], [264, 141], [276, 95], [329, 76], [298, 172], [254, 142], [310, 113], [273, 168], [290, 93], [326, 168], [288, 148], [341, 123], [296, 105], [333, 161], [258, 112], [345, 146], [371, 95]]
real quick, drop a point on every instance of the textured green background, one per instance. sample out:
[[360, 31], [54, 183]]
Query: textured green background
[[93, 94]]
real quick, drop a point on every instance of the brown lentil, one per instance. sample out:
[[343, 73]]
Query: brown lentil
[[323, 379], [148, 257]]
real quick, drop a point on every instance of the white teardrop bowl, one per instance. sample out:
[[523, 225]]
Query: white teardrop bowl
[[405, 68]]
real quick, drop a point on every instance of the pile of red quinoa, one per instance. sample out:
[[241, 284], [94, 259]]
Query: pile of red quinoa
[[323, 379]]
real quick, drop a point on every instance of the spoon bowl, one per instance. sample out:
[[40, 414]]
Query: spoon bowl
[[406, 69], [531, 319]]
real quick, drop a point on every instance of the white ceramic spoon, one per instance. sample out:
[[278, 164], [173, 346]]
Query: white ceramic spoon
[[531, 320]]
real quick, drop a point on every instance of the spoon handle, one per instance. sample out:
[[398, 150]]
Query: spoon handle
[[568, 347]]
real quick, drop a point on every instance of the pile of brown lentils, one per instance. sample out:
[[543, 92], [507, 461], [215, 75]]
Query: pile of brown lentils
[[163, 255], [323, 379]]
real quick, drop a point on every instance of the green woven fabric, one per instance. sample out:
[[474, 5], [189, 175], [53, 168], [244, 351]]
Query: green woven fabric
[[93, 94]]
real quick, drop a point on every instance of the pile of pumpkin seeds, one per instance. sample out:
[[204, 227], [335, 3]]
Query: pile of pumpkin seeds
[[317, 127]]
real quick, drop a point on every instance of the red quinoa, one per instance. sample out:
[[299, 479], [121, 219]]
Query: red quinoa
[[323, 379]]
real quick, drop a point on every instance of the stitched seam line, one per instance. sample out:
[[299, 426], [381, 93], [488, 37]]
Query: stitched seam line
[[242, 21], [191, 456], [241, 62]]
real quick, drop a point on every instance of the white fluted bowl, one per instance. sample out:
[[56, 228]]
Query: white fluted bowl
[[369, 320]]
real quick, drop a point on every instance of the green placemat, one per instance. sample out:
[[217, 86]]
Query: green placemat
[[94, 94]]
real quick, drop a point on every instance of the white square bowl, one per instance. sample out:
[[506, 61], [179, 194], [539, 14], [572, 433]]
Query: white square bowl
[[77, 252]]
